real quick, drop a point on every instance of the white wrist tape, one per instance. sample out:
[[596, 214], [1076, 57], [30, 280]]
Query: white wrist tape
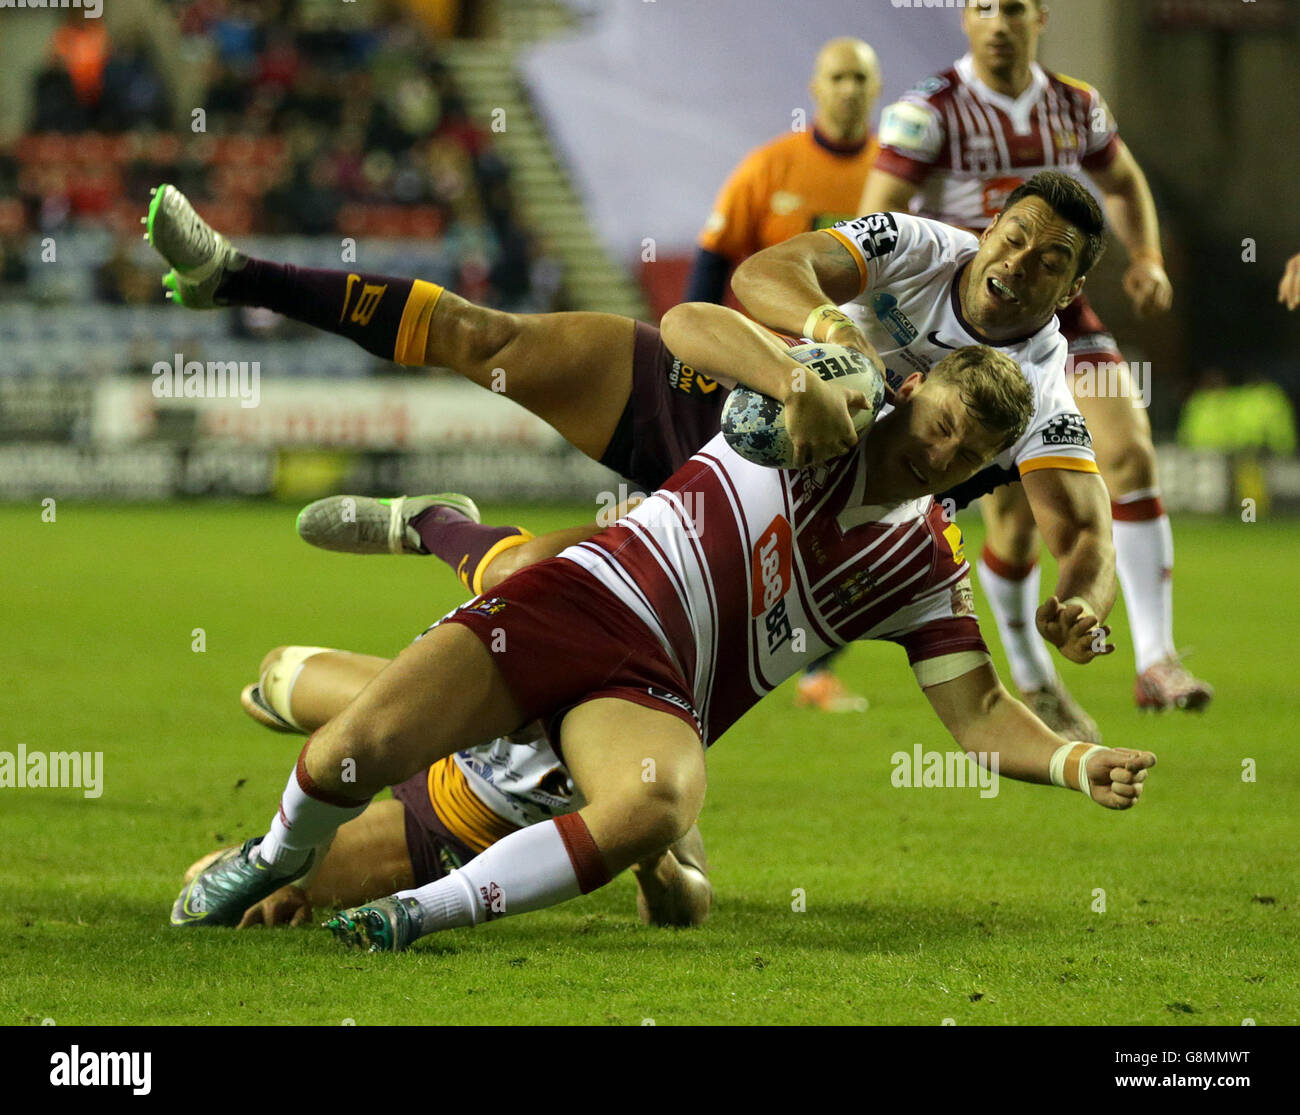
[[826, 311], [1069, 766]]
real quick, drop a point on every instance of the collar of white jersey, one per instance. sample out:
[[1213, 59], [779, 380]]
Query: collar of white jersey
[[1018, 108], [888, 514]]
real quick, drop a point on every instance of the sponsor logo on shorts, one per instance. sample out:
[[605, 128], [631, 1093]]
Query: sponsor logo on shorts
[[772, 579], [675, 700], [491, 606], [363, 309], [1067, 429], [894, 321], [684, 378], [875, 235]]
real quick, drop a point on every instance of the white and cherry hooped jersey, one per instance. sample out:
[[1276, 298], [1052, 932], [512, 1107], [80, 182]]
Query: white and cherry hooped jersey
[[910, 310], [966, 147], [746, 574]]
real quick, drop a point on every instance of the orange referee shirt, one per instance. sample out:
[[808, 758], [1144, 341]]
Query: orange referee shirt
[[797, 183]]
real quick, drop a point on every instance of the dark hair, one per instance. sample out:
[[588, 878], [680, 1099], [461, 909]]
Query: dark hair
[[993, 388], [1071, 201]]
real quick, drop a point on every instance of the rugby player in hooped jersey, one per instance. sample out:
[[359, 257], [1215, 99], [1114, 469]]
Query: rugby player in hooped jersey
[[953, 147], [656, 635], [619, 391]]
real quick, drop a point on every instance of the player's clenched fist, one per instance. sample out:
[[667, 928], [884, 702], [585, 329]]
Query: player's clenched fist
[[1148, 287], [1073, 629], [1116, 776]]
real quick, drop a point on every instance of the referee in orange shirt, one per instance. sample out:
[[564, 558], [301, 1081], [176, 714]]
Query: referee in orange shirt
[[802, 181]]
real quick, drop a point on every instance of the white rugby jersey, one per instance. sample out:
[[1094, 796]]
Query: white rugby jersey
[[966, 146], [519, 777], [746, 574], [910, 310]]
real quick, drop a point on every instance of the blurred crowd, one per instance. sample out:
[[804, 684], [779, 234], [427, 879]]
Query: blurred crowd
[[308, 123]]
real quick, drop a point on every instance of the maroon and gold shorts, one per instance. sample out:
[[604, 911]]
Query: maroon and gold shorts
[[670, 414], [434, 849]]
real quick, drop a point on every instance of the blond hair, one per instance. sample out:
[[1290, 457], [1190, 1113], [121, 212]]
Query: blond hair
[[992, 387]]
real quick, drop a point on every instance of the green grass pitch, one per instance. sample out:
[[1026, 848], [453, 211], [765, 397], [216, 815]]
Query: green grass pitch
[[921, 905]]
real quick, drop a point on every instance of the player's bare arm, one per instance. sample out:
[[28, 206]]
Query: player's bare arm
[[886, 193], [784, 285], [983, 717], [1132, 213], [1072, 510], [732, 349]]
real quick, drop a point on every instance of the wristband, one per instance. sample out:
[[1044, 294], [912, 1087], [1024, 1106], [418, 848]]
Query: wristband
[[826, 311], [1069, 766]]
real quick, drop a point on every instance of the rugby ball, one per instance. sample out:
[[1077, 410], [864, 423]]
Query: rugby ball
[[753, 424]]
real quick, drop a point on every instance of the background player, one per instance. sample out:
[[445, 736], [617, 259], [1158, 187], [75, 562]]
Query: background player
[[958, 143], [801, 181]]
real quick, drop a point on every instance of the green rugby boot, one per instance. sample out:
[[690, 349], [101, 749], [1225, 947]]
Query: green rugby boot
[[385, 925], [199, 255], [229, 885]]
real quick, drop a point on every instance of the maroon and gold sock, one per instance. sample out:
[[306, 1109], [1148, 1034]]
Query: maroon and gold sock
[[385, 315], [468, 547]]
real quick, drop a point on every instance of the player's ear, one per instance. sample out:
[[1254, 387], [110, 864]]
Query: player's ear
[[1072, 292], [988, 228], [908, 387]]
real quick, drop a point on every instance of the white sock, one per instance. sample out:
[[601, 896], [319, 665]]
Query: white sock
[[1014, 603], [302, 823], [1144, 560], [526, 870]]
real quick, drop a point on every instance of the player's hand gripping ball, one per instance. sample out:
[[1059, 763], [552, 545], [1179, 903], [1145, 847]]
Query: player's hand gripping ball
[[810, 427]]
